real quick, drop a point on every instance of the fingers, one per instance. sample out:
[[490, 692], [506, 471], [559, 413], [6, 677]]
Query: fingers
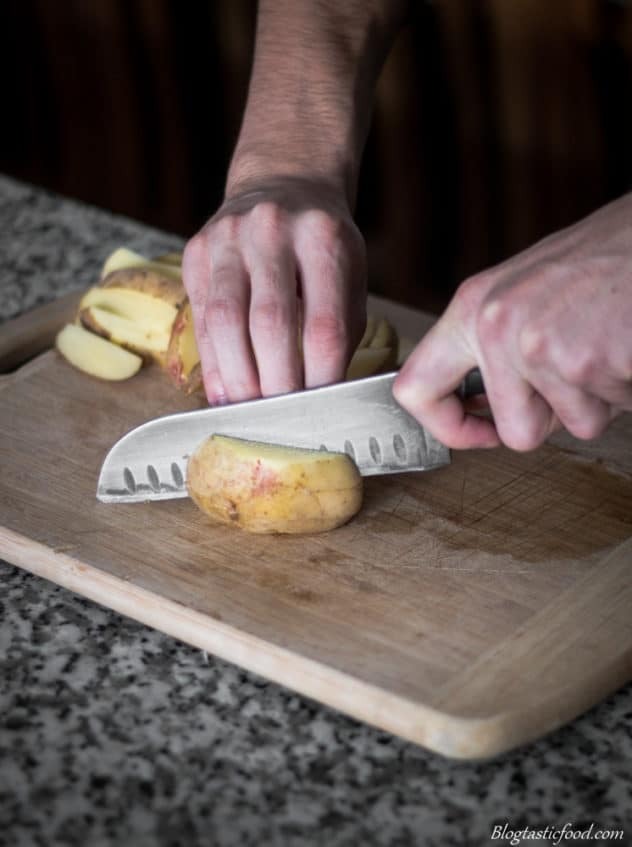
[[333, 285], [242, 273], [274, 323], [196, 266], [582, 414], [426, 384], [226, 327]]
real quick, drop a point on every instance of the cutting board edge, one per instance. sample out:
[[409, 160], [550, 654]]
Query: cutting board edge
[[450, 735]]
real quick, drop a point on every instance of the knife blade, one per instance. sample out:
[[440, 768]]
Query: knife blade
[[360, 418]]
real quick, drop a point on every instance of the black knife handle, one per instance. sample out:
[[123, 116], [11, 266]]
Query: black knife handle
[[471, 385]]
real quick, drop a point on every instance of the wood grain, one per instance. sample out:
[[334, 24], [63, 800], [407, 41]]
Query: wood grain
[[469, 609]]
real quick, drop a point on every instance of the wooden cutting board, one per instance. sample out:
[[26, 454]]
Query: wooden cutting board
[[469, 609]]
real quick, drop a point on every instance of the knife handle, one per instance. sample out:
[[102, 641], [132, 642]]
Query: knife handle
[[471, 384]]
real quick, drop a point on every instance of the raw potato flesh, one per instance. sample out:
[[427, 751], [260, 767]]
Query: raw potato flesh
[[183, 358], [132, 305], [169, 259], [141, 337], [123, 259], [377, 351], [96, 356], [367, 361], [266, 488]]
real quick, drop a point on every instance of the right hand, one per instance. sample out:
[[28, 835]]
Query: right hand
[[279, 256]]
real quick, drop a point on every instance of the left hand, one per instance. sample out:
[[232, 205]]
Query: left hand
[[550, 330]]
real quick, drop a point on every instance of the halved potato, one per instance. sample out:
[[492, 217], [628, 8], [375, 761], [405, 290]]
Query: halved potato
[[95, 355], [266, 488], [124, 259], [143, 337]]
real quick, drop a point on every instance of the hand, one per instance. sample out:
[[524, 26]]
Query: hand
[[277, 256], [551, 331]]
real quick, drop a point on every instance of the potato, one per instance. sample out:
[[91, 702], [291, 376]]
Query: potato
[[369, 332], [135, 308], [384, 336], [149, 282], [96, 356], [169, 259], [267, 488], [130, 304], [124, 259], [377, 351], [183, 358], [140, 337], [367, 361]]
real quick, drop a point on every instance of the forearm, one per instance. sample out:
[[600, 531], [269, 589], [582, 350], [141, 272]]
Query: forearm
[[309, 103]]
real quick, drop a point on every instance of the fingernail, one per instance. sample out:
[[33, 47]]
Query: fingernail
[[220, 400], [216, 393]]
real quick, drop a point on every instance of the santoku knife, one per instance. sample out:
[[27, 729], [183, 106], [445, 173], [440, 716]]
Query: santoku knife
[[360, 418]]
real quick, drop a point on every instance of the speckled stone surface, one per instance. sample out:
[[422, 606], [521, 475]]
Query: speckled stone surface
[[114, 734]]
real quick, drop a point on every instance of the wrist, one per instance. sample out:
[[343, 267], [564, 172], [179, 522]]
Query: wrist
[[265, 163]]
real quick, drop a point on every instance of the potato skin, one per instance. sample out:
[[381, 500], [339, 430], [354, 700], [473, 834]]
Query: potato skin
[[89, 321], [270, 489], [182, 361], [149, 282]]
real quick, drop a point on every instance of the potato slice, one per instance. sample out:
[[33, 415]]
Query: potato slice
[[367, 361], [266, 488], [169, 259], [133, 305], [96, 356], [384, 336], [141, 337], [183, 358], [369, 332], [148, 281], [124, 259]]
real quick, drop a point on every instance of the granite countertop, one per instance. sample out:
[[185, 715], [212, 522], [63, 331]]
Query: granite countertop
[[112, 733]]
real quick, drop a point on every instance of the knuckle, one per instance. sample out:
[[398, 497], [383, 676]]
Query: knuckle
[[225, 229], [492, 321], [470, 292], [222, 312], [576, 367], [268, 219], [269, 317], [327, 333], [533, 344], [322, 225]]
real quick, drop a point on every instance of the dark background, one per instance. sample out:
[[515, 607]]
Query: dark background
[[495, 122]]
